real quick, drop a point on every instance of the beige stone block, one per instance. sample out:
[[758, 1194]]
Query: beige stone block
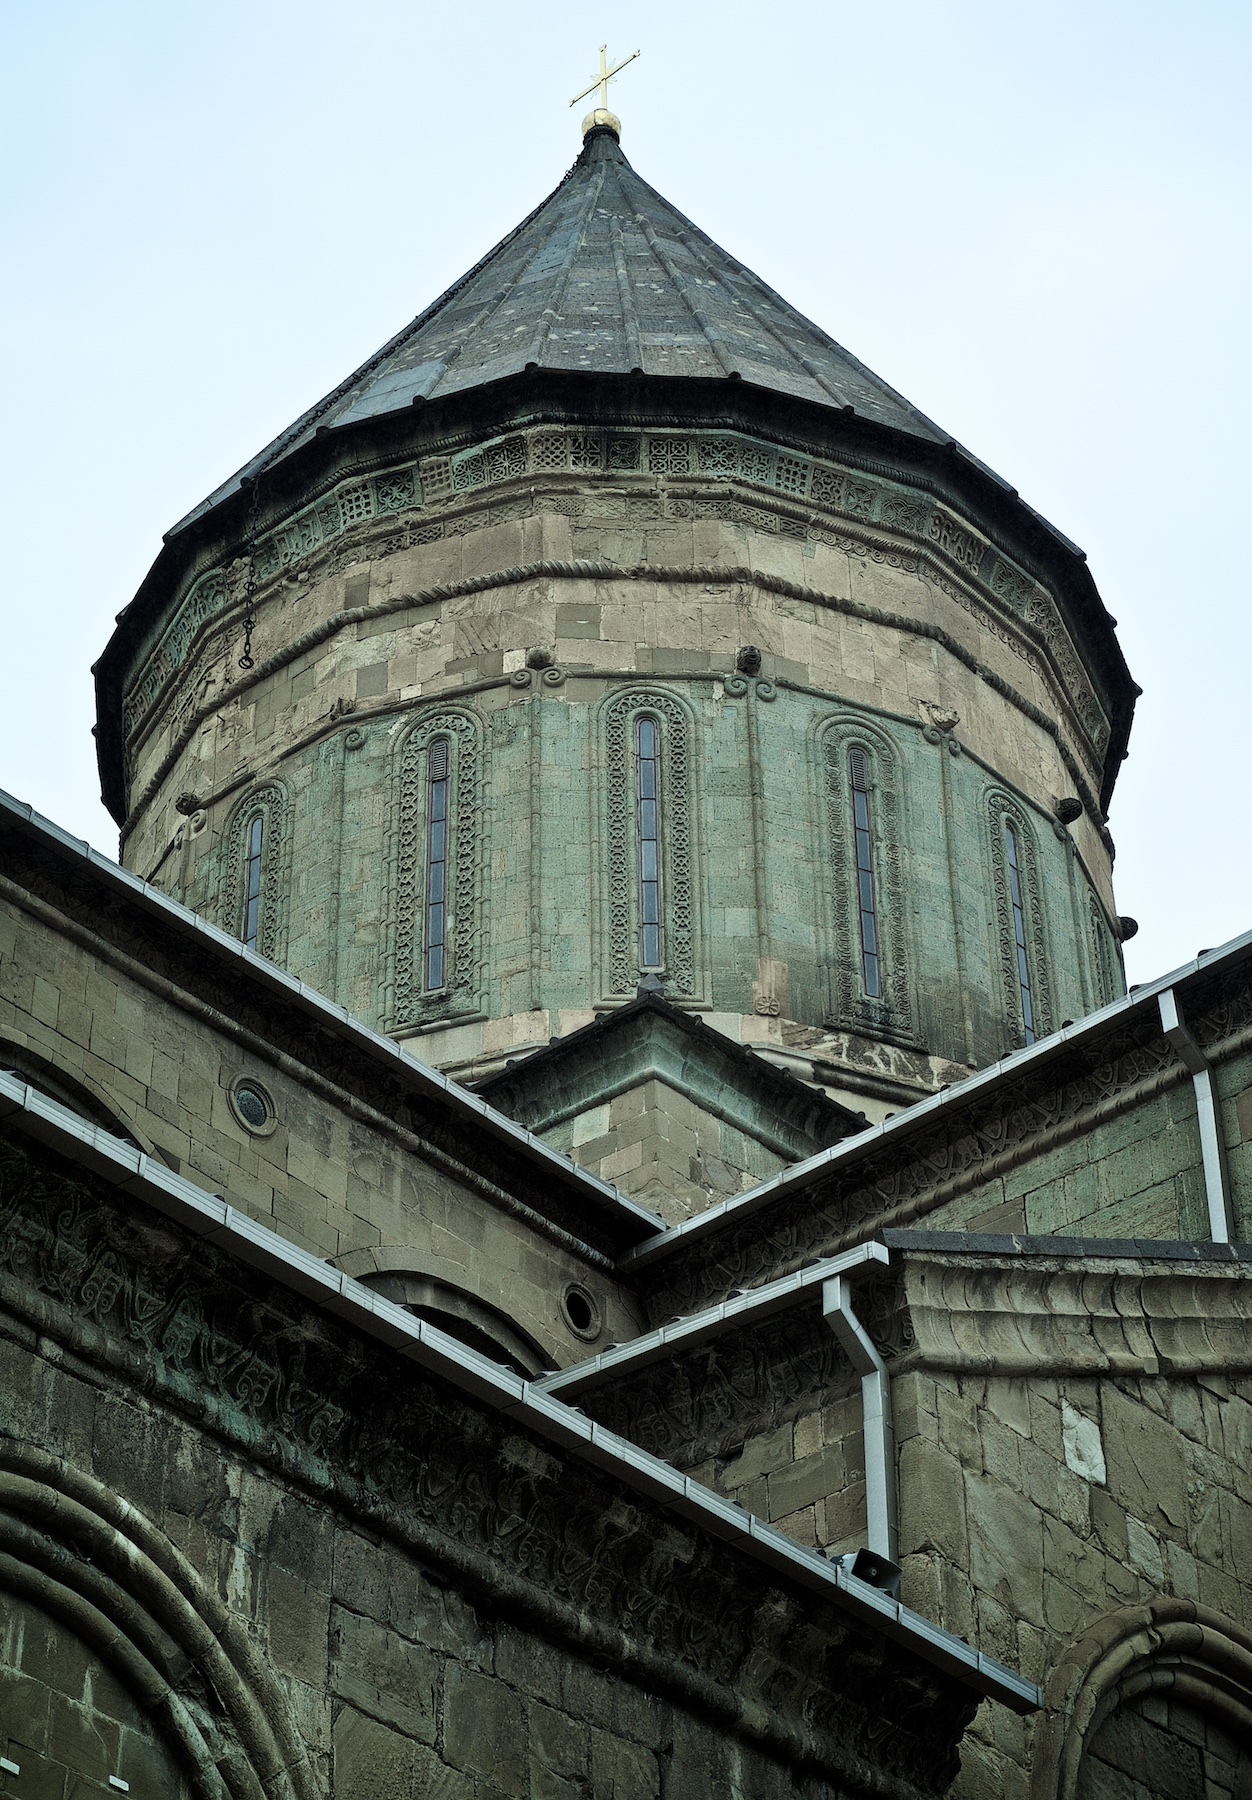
[[932, 1501]]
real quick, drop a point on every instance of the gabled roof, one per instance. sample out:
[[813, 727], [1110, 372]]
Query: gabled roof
[[607, 278]]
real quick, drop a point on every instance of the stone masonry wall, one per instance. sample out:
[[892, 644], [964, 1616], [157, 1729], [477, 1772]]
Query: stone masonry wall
[[319, 1176]]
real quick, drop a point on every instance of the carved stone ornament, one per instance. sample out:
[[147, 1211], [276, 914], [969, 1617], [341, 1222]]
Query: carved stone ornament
[[890, 1012], [467, 834], [272, 803], [622, 860], [548, 1538]]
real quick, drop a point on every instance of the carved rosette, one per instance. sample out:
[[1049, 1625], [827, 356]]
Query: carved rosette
[[467, 830], [622, 847]]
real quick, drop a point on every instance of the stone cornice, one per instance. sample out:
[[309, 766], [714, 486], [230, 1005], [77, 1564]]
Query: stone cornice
[[627, 404], [463, 1463], [554, 570]]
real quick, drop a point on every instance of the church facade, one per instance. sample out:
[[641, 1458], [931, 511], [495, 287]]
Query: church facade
[[587, 1213]]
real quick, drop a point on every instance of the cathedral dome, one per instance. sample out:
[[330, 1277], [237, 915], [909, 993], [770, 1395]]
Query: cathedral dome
[[611, 484]]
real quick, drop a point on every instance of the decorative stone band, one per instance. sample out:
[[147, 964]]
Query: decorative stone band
[[858, 495], [166, 1326], [195, 714]]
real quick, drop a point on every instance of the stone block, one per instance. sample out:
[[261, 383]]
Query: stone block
[[1144, 1458], [621, 1771], [1006, 1547], [932, 1502], [485, 1731], [369, 1758]]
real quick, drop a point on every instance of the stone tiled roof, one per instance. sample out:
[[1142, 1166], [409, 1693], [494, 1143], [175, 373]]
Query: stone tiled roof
[[604, 277]]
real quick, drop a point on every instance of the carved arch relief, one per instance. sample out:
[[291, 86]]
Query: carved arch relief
[[1103, 954], [1021, 947], [1169, 1650], [89, 1564], [441, 768], [625, 886], [256, 870], [863, 827]]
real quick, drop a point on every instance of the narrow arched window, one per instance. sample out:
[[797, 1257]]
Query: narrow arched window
[[252, 880], [867, 905], [647, 760], [1025, 992], [436, 865]]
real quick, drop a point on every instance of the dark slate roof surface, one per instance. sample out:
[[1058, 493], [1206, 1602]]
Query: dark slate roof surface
[[605, 276]]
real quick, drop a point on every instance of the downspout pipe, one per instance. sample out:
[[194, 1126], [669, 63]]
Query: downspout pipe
[[1212, 1142], [880, 1441]]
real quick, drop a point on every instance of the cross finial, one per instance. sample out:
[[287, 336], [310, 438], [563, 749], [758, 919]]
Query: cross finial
[[603, 79]]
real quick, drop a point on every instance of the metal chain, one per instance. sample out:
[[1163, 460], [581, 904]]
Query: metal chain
[[246, 660]]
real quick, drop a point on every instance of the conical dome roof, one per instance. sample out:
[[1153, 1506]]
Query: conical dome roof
[[607, 278]]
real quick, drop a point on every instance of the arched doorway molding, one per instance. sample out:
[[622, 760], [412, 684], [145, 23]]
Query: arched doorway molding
[[1165, 1646], [80, 1553]]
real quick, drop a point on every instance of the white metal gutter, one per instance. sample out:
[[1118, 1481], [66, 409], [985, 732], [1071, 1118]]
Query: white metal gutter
[[491, 1384], [699, 1328], [1212, 1143], [1143, 998]]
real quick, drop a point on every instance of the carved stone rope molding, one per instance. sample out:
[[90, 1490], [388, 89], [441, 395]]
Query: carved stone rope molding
[[573, 570]]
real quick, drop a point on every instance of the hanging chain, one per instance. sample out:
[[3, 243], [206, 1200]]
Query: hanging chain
[[246, 660]]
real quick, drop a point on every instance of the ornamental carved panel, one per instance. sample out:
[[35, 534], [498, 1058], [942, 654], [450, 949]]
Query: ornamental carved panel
[[1003, 810], [679, 904], [272, 804], [407, 1001], [892, 1011]]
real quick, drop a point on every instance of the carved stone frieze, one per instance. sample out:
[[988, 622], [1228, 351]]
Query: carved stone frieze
[[555, 1540], [369, 504]]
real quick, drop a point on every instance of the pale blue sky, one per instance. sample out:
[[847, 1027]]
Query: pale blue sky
[[1033, 220]]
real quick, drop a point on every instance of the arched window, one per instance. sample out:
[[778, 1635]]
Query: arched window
[[648, 790], [254, 865], [649, 895], [1024, 987], [1019, 921], [867, 905], [252, 879], [436, 954], [862, 900], [436, 864]]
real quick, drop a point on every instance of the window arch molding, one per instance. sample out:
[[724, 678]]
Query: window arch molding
[[893, 1009], [1005, 814], [408, 1000], [680, 924], [271, 804], [1104, 956], [1167, 1644]]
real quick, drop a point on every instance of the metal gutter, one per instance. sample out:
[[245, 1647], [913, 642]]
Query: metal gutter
[[700, 1328], [876, 1420], [1142, 999], [491, 1384], [213, 942], [1212, 1143]]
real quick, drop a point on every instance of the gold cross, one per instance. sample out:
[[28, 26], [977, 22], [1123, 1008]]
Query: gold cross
[[603, 79]]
